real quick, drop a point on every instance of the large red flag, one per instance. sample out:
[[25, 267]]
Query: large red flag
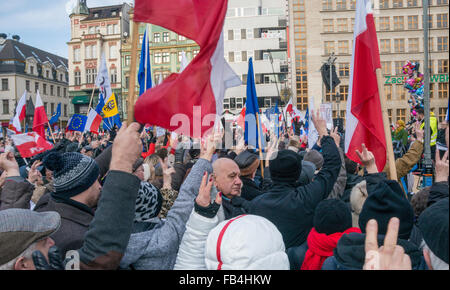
[[364, 122], [181, 103], [40, 117], [30, 144]]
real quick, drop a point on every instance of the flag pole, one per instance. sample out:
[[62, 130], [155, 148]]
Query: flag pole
[[51, 132], [387, 130], [90, 102], [132, 83], [259, 143]]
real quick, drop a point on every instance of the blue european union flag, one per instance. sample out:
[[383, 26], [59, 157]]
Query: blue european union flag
[[56, 115], [77, 123]]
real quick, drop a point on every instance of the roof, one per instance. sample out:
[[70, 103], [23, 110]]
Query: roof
[[104, 12], [14, 53]]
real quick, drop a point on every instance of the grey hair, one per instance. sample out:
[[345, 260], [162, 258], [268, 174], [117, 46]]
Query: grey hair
[[436, 262], [26, 254]]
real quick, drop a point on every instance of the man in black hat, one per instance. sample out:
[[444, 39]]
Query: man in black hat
[[248, 164], [289, 206]]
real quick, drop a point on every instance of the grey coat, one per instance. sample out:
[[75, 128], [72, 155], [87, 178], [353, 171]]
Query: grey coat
[[157, 248]]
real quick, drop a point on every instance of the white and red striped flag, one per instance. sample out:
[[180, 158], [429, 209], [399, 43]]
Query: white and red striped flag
[[93, 122], [20, 113], [30, 144], [364, 122], [194, 97], [40, 117]]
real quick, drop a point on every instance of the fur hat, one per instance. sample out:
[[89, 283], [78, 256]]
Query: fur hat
[[358, 196]]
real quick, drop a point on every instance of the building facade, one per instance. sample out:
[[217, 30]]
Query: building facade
[[24, 68], [95, 31], [165, 48], [319, 28], [257, 29]]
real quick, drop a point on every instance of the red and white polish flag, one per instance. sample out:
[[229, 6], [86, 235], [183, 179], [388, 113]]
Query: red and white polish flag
[[40, 117], [93, 122], [30, 144], [364, 122], [181, 103], [20, 113]]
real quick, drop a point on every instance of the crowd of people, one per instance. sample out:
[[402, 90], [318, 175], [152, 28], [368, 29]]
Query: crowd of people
[[131, 200]]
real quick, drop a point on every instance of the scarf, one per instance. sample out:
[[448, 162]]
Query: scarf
[[320, 247]]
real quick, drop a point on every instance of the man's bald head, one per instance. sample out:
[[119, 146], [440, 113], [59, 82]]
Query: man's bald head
[[226, 177]]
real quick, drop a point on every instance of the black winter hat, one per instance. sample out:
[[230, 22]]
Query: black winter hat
[[385, 201], [286, 167], [332, 216], [73, 172], [433, 223]]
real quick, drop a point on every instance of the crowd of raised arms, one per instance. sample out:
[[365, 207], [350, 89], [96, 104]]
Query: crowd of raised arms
[[127, 199]]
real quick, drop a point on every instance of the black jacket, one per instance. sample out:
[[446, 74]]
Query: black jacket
[[291, 208]]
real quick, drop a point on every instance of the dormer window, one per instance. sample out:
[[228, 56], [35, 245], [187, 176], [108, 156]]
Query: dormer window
[[31, 69], [114, 13], [95, 15], [47, 74]]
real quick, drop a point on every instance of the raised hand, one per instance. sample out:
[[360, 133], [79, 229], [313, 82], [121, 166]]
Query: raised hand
[[9, 164], [34, 175], [390, 256], [367, 159], [441, 167], [336, 136], [127, 148], [319, 123], [203, 205]]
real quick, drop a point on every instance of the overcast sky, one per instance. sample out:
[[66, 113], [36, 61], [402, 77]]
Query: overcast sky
[[43, 24]]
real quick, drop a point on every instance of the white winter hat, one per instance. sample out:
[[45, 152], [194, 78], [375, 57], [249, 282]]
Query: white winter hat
[[247, 242]]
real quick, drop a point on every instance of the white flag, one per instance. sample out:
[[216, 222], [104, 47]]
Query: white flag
[[102, 81]]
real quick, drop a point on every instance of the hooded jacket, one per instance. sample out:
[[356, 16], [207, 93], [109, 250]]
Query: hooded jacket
[[350, 253], [246, 242]]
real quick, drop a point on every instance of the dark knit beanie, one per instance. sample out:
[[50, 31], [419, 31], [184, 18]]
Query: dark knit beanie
[[385, 201], [73, 172], [332, 216], [433, 224], [286, 167]]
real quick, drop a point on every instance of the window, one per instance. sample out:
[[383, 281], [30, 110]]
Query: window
[[400, 91], [116, 29], [343, 46], [76, 54], [401, 114], [329, 97], [431, 90], [399, 45], [44, 88], [52, 90], [157, 37], [77, 78], [413, 44], [58, 91], [165, 36], [36, 87], [237, 56], [384, 23], [386, 67], [442, 43], [110, 29], [342, 24], [352, 4], [47, 74], [65, 110], [64, 92], [244, 56], [327, 5], [158, 57], [399, 67], [328, 25], [442, 114], [31, 69], [230, 34], [243, 33], [397, 3], [344, 69], [112, 52], [443, 66], [390, 116], [113, 72], [165, 57], [195, 52], [431, 66], [91, 73], [91, 51], [442, 20], [399, 23], [343, 91], [226, 104], [388, 92], [441, 2], [231, 56], [329, 47], [385, 45], [27, 85], [430, 21], [5, 107], [341, 4], [92, 30], [384, 4], [412, 3], [413, 22], [127, 60], [181, 38], [237, 34], [249, 33], [443, 90], [52, 108], [45, 107]]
